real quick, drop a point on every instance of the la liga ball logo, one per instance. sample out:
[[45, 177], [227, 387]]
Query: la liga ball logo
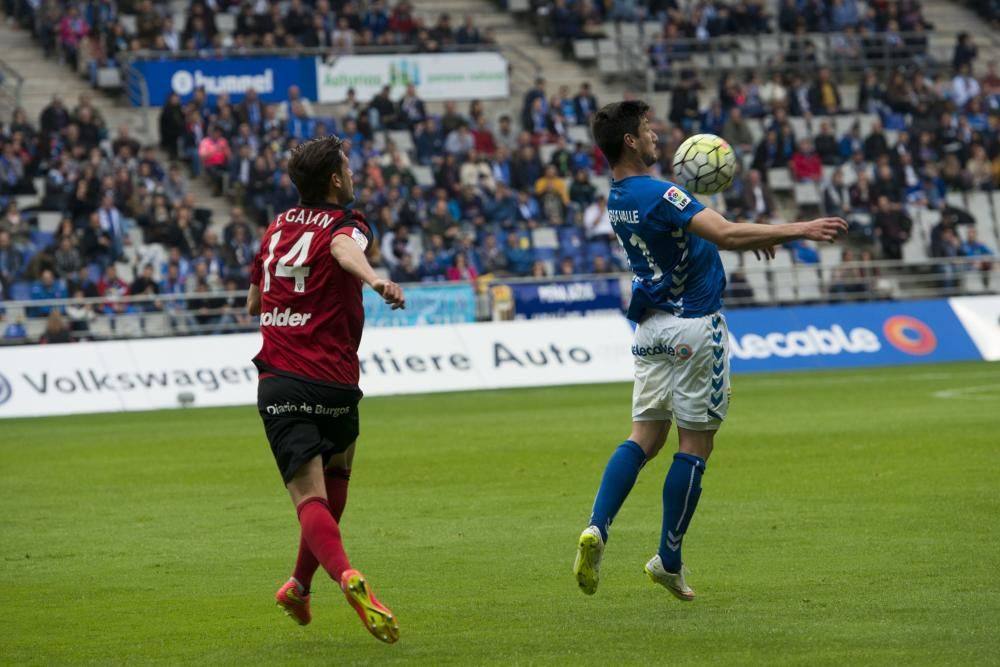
[[910, 335]]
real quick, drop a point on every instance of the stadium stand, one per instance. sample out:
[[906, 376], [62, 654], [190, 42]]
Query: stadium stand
[[842, 111]]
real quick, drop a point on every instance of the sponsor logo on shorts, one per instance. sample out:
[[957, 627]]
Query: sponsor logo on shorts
[[303, 408], [682, 352], [676, 197], [5, 390], [284, 318], [910, 335]]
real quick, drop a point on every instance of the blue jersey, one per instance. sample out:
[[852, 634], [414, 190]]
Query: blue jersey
[[675, 271]]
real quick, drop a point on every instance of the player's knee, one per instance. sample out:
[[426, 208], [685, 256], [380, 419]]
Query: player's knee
[[343, 460], [650, 436], [337, 472], [652, 449], [699, 443]]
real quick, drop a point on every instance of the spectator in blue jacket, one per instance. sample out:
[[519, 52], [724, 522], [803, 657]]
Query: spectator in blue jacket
[[46, 287], [503, 207], [10, 260], [427, 141], [518, 253], [528, 209], [15, 330], [581, 158], [713, 118], [301, 126], [430, 270], [500, 165], [376, 19]]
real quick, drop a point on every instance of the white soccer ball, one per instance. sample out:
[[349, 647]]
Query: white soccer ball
[[705, 164]]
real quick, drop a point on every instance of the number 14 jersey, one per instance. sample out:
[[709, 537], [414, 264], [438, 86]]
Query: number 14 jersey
[[674, 271], [311, 308]]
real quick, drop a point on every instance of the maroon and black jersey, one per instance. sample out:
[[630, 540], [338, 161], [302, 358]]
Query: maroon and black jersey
[[311, 312]]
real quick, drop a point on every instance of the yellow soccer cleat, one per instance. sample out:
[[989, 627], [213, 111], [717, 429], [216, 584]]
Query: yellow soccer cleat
[[377, 618], [587, 567]]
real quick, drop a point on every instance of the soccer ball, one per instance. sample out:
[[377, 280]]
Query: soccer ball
[[705, 164]]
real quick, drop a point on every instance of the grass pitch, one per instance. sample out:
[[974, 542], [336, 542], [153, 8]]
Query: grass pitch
[[848, 518]]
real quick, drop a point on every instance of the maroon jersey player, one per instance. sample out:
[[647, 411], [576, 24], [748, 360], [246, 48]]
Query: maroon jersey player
[[306, 284]]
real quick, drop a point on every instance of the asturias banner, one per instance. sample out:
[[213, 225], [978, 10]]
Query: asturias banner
[[591, 296], [233, 76], [436, 76], [874, 334]]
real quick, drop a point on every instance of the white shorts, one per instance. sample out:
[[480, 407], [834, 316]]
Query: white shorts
[[681, 370]]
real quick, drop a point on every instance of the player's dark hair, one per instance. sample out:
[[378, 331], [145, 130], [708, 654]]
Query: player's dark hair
[[312, 164], [613, 122]]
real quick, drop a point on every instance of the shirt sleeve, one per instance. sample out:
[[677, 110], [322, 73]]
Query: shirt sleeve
[[673, 206], [355, 226]]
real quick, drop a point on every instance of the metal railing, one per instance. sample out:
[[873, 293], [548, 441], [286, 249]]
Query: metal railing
[[766, 283], [137, 91], [523, 68], [874, 280], [623, 50], [233, 52], [11, 84]]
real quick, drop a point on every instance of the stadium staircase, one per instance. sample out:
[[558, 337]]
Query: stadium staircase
[[953, 17]]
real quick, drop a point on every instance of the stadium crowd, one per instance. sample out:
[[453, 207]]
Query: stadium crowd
[[94, 35], [563, 22], [487, 187], [468, 193]]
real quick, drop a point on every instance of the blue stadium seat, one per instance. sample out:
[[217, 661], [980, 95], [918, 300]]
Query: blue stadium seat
[[94, 272], [42, 239], [599, 249], [545, 254], [570, 238], [576, 254], [894, 121], [20, 291], [330, 123]]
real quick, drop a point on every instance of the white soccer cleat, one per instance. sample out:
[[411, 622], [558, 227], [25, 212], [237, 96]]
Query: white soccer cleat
[[587, 566], [672, 582]]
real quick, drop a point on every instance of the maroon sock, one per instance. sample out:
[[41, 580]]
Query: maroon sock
[[322, 535], [305, 565], [336, 494]]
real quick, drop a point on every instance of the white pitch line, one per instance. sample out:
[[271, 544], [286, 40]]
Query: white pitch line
[[969, 392], [865, 379]]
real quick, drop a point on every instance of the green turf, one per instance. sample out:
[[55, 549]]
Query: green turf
[[848, 518]]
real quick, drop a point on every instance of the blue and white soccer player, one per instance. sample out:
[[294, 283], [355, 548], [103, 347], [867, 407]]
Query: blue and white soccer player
[[681, 346]]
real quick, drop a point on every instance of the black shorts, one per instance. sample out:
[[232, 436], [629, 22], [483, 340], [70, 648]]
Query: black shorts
[[304, 420]]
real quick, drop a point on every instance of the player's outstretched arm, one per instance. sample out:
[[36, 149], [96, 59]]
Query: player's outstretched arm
[[709, 224], [352, 258]]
